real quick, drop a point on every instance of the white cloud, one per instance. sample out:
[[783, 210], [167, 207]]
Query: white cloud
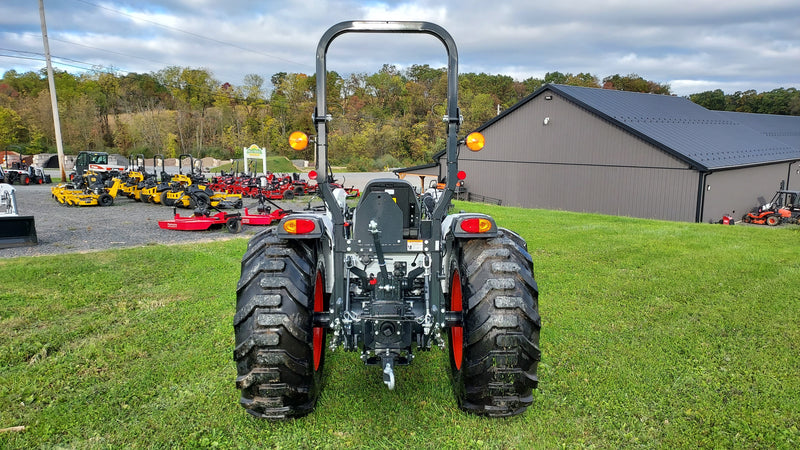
[[691, 44]]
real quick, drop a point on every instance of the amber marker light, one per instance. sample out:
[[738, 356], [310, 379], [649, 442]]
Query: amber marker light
[[299, 226], [298, 140], [476, 225], [475, 141]]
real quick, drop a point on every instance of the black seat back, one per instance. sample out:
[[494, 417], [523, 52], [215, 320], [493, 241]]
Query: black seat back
[[393, 205]]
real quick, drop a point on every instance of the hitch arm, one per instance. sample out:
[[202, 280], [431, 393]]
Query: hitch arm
[[376, 238]]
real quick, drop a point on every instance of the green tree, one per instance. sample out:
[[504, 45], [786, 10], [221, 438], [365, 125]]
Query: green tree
[[12, 129], [28, 83], [714, 100], [193, 91], [635, 83]]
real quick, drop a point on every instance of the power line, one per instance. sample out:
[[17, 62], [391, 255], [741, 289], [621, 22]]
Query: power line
[[42, 60], [37, 56], [195, 35], [108, 51], [40, 57]]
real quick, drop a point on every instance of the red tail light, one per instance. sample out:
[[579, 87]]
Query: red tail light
[[299, 226], [476, 225]]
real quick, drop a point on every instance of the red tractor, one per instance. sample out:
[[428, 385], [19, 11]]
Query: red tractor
[[783, 208]]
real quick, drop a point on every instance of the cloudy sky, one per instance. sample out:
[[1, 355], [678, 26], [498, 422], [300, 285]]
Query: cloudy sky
[[694, 45]]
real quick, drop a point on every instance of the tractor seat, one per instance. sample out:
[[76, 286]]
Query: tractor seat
[[392, 204]]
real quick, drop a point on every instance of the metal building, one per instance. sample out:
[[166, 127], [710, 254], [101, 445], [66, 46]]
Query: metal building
[[630, 154]]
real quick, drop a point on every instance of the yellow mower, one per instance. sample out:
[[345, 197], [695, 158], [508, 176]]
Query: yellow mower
[[98, 195], [191, 190], [150, 190], [134, 177]]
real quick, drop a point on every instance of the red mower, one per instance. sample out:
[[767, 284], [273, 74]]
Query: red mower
[[783, 208], [202, 219], [264, 214], [263, 218]]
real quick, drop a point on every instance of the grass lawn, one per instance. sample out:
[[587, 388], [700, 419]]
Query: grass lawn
[[655, 334], [275, 164]]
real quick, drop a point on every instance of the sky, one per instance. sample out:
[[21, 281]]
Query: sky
[[692, 45]]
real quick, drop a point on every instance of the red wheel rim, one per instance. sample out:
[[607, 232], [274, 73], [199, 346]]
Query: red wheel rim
[[319, 332], [456, 333]]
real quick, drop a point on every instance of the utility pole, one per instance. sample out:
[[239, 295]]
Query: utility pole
[[52, 83]]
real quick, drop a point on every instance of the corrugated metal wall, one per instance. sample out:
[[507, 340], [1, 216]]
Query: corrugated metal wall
[[577, 161], [738, 191], [794, 176]]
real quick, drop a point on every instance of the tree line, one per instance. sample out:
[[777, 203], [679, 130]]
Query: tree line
[[389, 118]]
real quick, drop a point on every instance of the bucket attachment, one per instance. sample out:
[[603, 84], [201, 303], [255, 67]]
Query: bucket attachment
[[15, 230]]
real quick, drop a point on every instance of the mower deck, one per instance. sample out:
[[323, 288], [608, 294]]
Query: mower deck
[[263, 219], [200, 222]]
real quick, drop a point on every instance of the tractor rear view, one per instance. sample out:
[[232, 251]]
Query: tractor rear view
[[394, 275]]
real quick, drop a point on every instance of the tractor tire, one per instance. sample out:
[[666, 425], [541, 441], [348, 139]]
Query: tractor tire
[[279, 354], [105, 200], [234, 225], [495, 355], [144, 198], [298, 191], [167, 201], [288, 195], [773, 220]]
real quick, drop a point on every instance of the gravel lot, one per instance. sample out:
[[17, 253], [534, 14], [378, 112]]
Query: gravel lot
[[71, 229]]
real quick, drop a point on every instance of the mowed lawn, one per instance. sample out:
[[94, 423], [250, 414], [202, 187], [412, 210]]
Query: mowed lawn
[[655, 334]]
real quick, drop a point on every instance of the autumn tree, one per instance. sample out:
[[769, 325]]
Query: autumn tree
[[388, 118], [193, 93]]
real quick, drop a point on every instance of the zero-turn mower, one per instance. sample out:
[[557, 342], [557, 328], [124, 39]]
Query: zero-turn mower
[[134, 178], [152, 190], [97, 195]]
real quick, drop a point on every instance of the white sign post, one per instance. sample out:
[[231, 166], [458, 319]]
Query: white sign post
[[255, 152]]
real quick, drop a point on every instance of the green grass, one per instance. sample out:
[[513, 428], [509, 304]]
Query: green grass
[[655, 334], [275, 164]]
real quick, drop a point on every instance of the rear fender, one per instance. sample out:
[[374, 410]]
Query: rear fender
[[463, 225], [322, 225], [453, 233]]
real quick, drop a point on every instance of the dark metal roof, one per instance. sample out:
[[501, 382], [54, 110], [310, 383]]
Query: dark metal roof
[[421, 166], [782, 128], [704, 139]]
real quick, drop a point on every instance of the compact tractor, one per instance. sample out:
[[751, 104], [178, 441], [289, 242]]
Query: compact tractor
[[783, 208], [393, 275]]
